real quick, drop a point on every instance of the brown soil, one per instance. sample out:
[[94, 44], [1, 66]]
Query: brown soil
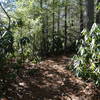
[[50, 80]]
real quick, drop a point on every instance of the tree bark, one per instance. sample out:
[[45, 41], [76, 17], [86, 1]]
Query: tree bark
[[65, 44], [81, 15], [43, 44], [46, 26], [58, 20], [90, 13], [98, 14], [53, 30]]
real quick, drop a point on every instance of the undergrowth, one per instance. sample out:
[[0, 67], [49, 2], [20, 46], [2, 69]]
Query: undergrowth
[[86, 62]]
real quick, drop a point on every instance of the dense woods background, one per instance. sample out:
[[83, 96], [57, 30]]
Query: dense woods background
[[31, 30]]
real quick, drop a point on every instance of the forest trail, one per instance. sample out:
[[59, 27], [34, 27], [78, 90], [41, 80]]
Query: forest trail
[[50, 80]]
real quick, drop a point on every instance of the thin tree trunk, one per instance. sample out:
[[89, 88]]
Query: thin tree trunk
[[47, 45], [90, 13], [81, 15], [53, 30], [47, 18], [6, 15], [65, 44], [42, 20], [41, 4], [58, 20], [43, 27], [98, 14]]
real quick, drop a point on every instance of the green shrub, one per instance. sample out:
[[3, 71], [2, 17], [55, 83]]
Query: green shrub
[[87, 61], [6, 45]]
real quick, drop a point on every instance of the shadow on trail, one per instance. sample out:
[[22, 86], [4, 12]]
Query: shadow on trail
[[49, 80]]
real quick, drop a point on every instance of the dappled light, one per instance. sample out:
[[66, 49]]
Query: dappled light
[[49, 80], [49, 49]]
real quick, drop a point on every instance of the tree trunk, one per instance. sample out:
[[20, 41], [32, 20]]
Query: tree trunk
[[43, 31], [58, 20], [98, 15], [90, 13], [65, 44], [46, 26], [81, 15], [53, 30]]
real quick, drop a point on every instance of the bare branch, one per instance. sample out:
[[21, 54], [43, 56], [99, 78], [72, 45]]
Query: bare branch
[[6, 15]]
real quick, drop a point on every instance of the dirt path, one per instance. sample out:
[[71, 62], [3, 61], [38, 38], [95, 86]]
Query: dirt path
[[50, 80]]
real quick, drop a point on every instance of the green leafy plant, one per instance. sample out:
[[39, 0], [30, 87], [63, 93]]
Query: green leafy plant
[[6, 44], [87, 61]]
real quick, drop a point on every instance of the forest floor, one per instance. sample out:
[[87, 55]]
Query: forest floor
[[50, 79]]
